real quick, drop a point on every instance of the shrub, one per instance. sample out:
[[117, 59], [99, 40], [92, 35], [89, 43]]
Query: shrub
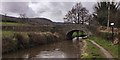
[[8, 44], [36, 39], [118, 36], [50, 37], [22, 40], [105, 35], [41, 38]]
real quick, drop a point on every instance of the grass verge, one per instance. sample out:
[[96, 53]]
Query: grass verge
[[13, 41], [7, 33], [13, 24], [92, 51], [113, 49]]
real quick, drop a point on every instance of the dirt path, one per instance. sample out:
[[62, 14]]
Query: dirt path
[[104, 51], [84, 46]]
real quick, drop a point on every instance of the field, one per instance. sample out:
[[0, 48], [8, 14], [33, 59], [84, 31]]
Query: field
[[13, 24], [7, 33]]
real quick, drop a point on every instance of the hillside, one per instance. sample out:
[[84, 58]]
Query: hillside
[[40, 21]]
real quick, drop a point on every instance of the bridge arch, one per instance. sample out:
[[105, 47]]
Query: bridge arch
[[66, 30], [70, 33]]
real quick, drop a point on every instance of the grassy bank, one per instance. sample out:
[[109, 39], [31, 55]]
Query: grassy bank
[[92, 51], [113, 49], [13, 24], [7, 33], [13, 41]]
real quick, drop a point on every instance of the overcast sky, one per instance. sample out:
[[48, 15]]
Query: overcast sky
[[54, 10]]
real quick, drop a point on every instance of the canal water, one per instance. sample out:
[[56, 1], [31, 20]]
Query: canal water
[[64, 49]]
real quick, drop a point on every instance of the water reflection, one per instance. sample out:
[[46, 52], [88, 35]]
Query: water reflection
[[64, 49], [51, 54]]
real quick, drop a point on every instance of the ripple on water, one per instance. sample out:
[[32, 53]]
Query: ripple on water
[[51, 54]]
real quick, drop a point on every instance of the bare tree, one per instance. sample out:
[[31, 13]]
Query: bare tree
[[5, 14], [23, 15], [77, 14]]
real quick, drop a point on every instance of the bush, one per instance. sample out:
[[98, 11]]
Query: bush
[[41, 38], [22, 40], [105, 35], [117, 38], [36, 39], [8, 44], [49, 37], [103, 28]]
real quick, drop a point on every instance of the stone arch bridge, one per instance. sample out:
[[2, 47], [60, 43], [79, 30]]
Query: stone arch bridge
[[66, 30]]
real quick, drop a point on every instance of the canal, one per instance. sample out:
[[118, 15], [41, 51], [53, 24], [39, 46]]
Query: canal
[[64, 49]]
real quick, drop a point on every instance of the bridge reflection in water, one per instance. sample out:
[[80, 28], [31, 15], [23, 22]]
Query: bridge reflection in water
[[64, 49]]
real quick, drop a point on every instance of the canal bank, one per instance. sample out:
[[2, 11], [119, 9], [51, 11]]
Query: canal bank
[[63, 49], [41, 45], [14, 41]]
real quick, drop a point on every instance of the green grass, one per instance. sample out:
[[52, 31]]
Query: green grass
[[113, 49], [78, 34], [13, 24], [7, 33], [11, 33], [92, 51]]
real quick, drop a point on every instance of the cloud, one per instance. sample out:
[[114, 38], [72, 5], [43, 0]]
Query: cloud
[[49, 0], [51, 10], [17, 7], [89, 6]]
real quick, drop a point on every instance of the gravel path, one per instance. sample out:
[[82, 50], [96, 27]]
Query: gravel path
[[104, 51]]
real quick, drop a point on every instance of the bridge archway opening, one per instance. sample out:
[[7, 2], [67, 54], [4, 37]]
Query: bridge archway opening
[[70, 35]]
